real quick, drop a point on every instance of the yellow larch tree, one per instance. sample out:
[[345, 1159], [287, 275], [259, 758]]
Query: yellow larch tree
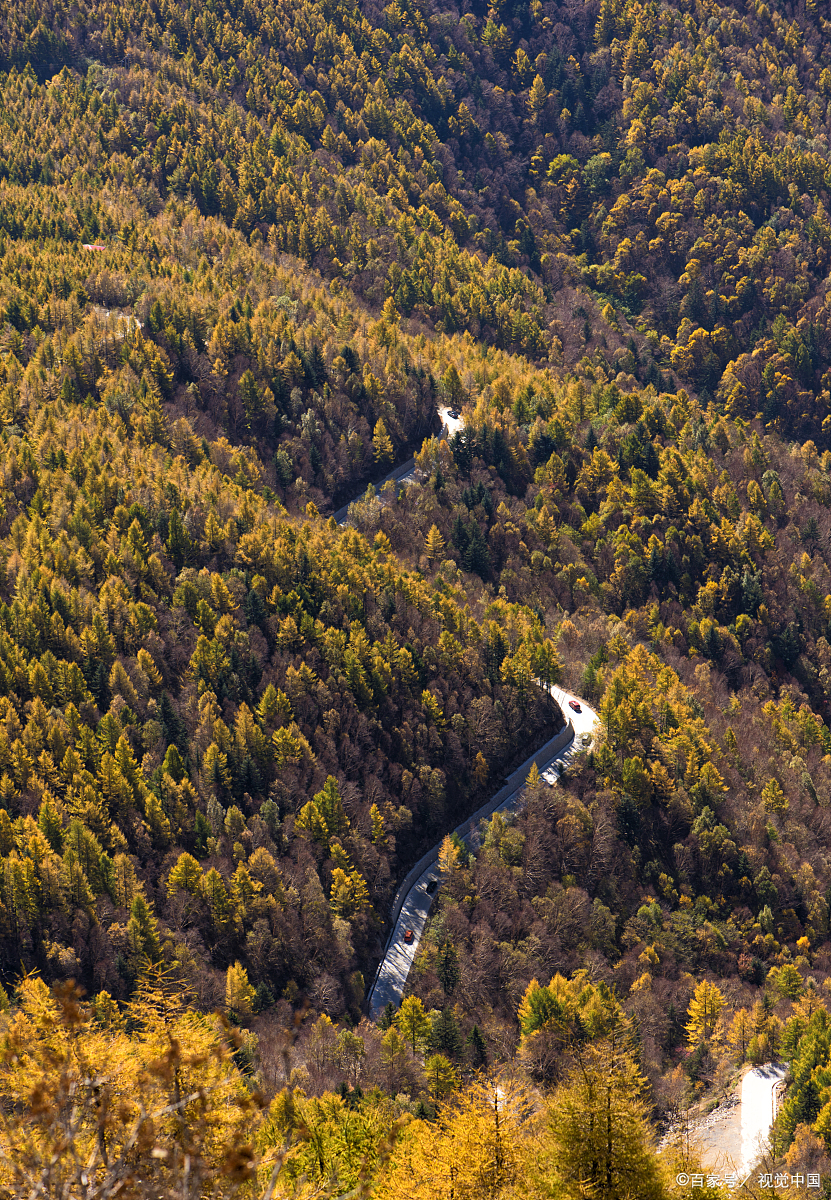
[[433, 543], [703, 1012], [599, 1132], [98, 1101], [473, 1151]]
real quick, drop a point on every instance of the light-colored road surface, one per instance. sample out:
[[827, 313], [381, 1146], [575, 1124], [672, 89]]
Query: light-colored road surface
[[451, 424], [412, 903], [406, 472], [399, 475], [734, 1136], [758, 1110]]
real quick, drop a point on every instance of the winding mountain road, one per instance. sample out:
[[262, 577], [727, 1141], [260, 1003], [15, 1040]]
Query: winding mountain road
[[415, 895], [402, 474], [411, 905]]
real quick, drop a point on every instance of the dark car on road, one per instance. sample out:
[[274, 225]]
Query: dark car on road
[[431, 886]]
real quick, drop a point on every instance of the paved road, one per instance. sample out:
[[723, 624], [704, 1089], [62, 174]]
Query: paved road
[[415, 896], [759, 1108], [734, 1136], [450, 425], [413, 900], [399, 475], [407, 470]]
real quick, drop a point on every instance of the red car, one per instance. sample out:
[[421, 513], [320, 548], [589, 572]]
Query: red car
[[573, 704], [408, 936]]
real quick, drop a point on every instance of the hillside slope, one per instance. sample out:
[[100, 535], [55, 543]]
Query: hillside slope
[[246, 251]]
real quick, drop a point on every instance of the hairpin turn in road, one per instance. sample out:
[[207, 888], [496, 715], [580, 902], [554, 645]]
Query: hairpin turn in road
[[415, 896]]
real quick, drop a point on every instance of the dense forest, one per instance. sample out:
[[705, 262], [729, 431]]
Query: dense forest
[[249, 252]]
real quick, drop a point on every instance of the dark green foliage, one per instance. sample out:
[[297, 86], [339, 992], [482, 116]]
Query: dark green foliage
[[447, 967]]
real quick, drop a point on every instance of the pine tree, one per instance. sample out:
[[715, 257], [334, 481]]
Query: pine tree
[[216, 895], [157, 821], [235, 824], [478, 1047], [774, 799], [141, 1111], [323, 816], [349, 893], [73, 879], [382, 445], [546, 527], [179, 545], [395, 1059], [481, 770], [601, 1140], [251, 397], [537, 96], [143, 933], [447, 967], [215, 768], [173, 765], [740, 1034], [50, 825], [533, 784], [129, 769], [433, 544], [546, 664], [186, 876], [379, 837], [413, 1022], [274, 707], [149, 668], [442, 1076], [445, 1036], [125, 884], [239, 994], [470, 1149], [452, 387], [201, 833], [330, 806], [703, 1012], [786, 981], [387, 1017], [449, 856]]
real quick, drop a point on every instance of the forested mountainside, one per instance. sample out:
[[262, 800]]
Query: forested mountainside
[[247, 252]]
